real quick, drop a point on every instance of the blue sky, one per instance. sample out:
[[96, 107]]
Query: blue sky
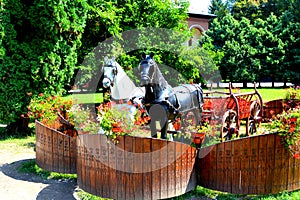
[[199, 6]]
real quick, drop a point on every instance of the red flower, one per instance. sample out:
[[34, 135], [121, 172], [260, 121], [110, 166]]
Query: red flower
[[292, 129], [296, 155], [117, 130]]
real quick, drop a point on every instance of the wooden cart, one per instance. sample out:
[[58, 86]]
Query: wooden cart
[[229, 108]]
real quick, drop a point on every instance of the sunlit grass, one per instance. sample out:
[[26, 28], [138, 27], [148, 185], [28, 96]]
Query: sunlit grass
[[85, 98], [31, 167], [17, 145], [269, 94]]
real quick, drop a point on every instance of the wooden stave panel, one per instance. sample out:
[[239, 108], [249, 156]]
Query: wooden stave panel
[[146, 189], [288, 168], [49, 156]]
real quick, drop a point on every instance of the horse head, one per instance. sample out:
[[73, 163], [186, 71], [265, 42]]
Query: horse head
[[110, 72], [146, 68]]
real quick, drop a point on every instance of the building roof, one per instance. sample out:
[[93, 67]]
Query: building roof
[[205, 16]]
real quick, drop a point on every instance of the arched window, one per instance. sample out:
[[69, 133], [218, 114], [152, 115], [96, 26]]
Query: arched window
[[197, 34]]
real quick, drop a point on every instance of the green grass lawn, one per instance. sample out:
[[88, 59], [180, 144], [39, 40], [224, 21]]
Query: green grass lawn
[[85, 98], [269, 94]]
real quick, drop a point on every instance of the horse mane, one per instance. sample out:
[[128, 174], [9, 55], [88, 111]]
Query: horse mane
[[159, 79], [123, 87]]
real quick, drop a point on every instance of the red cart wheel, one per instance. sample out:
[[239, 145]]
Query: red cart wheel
[[229, 125], [255, 118]]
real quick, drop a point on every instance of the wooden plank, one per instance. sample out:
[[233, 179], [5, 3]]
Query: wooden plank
[[48, 150], [92, 164], [147, 175], [112, 166], [228, 166], [184, 178], [128, 159], [73, 154], [253, 171], [171, 160], [55, 153], [178, 171], [297, 174], [262, 165], [138, 168], [66, 155], [236, 174], [291, 172], [98, 174], [219, 178], [204, 166], [213, 172], [279, 184], [79, 161], [121, 184], [104, 167], [60, 152], [245, 158], [164, 178], [210, 161], [191, 176], [156, 168], [86, 164], [39, 150], [270, 163]]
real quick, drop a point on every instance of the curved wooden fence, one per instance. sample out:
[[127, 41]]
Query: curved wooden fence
[[254, 165], [149, 168], [55, 151], [135, 168]]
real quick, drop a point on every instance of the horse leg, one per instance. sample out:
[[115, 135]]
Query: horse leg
[[153, 129], [164, 129]]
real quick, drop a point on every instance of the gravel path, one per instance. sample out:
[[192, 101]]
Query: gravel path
[[15, 185]]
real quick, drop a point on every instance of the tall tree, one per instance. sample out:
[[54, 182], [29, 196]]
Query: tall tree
[[219, 8], [43, 42]]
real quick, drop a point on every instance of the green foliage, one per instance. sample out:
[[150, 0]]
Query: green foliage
[[219, 8], [38, 50], [260, 40], [42, 43]]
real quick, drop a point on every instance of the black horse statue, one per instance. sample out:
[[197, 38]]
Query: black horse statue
[[164, 103]]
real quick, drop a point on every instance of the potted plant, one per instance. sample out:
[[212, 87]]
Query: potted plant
[[114, 120], [84, 120], [199, 133]]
